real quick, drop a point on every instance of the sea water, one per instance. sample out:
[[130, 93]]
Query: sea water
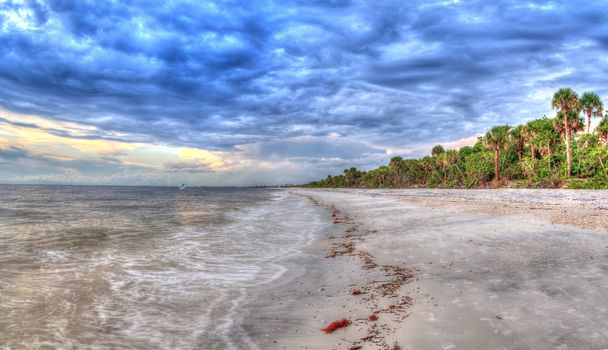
[[141, 267]]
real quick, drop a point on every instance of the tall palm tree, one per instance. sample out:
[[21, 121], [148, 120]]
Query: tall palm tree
[[566, 100], [565, 126], [592, 105], [574, 121], [497, 139], [518, 137]]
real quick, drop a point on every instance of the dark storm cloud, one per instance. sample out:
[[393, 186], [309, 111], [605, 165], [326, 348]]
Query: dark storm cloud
[[217, 74]]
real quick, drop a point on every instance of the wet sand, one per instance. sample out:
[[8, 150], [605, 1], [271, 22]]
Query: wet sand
[[446, 270]]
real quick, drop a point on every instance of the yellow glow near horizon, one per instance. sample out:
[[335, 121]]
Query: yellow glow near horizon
[[40, 142], [74, 128], [205, 157]]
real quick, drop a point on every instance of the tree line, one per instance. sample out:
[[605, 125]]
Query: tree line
[[543, 153]]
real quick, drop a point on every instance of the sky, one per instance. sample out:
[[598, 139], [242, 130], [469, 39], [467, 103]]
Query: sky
[[268, 92]]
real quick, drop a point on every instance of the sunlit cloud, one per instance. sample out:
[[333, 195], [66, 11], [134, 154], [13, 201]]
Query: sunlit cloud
[[207, 158], [48, 151]]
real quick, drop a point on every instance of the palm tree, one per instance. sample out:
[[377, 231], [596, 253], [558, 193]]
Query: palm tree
[[437, 150], [574, 122], [396, 168], [591, 104], [497, 139], [566, 100], [528, 133], [352, 177], [447, 160], [540, 133], [602, 130], [565, 126], [517, 136]]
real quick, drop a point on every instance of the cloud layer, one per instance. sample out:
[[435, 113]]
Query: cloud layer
[[311, 85]]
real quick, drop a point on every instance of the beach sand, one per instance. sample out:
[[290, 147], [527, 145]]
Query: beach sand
[[445, 269]]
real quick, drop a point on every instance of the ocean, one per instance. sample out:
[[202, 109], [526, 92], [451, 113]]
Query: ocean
[[141, 267]]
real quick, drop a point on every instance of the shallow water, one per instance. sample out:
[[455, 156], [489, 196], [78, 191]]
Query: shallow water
[[140, 267]]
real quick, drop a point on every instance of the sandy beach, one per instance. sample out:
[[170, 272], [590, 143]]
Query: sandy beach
[[445, 269]]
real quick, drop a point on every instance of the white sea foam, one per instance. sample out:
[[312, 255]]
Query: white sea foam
[[146, 268]]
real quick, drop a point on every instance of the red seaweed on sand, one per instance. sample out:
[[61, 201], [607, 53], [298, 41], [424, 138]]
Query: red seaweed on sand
[[337, 324]]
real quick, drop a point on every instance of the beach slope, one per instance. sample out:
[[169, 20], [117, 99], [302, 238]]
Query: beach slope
[[420, 269]]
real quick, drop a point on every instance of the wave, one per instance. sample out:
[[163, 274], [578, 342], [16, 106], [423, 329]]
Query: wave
[[141, 279]]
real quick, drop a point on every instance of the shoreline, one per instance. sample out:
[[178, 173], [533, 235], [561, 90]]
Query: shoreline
[[468, 278], [329, 281]]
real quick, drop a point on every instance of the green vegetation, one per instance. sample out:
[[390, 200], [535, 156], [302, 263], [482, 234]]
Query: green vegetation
[[543, 153]]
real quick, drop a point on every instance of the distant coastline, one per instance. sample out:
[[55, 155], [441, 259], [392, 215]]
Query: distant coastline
[[559, 152]]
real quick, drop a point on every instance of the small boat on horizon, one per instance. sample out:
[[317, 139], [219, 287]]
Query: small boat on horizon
[[182, 187]]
